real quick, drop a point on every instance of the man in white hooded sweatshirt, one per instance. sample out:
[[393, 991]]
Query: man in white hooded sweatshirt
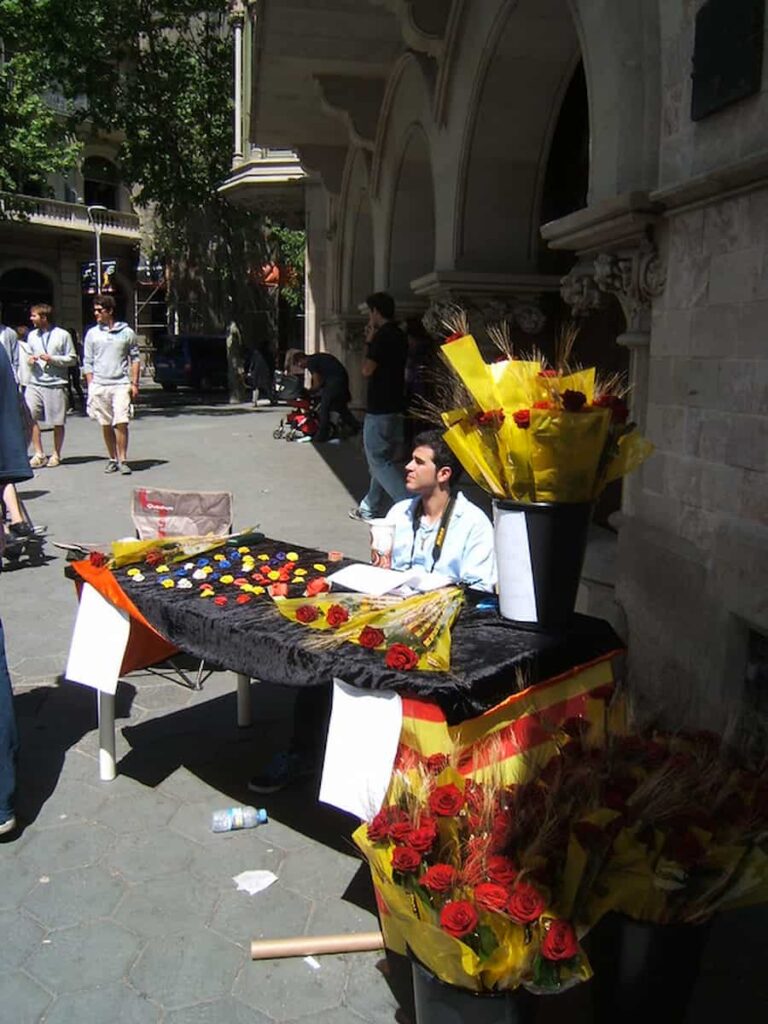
[[111, 366]]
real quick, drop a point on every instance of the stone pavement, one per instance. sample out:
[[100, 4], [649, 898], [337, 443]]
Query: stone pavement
[[117, 904]]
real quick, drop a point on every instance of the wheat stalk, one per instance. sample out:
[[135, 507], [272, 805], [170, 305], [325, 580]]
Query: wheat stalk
[[501, 336], [455, 320]]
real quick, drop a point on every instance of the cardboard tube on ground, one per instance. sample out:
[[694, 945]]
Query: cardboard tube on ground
[[312, 945]]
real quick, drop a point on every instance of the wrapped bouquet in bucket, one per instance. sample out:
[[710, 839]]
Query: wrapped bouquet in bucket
[[544, 442]]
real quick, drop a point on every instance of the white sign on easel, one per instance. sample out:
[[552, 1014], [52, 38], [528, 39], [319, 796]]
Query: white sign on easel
[[360, 752], [98, 644]]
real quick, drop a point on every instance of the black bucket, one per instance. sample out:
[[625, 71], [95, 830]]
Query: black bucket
[[437, 1002], [539, 554]]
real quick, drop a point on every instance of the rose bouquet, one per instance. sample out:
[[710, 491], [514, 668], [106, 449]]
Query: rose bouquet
[[411, 633], [532, 433]]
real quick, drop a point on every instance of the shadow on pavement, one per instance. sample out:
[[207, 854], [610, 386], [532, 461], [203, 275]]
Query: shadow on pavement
[[51, 720]]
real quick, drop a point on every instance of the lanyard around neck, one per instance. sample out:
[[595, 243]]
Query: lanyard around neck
[[442, 530]]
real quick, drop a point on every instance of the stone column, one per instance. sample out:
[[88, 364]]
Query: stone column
[[237, 18]]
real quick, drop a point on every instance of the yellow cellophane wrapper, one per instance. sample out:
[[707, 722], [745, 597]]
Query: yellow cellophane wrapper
[[565, 453], [404, 620], [126, 551], [633, 451], [481, 461], [515, 448], [516, 383], [464, 358]]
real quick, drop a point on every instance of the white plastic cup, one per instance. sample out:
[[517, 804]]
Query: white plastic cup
[[382, 542]]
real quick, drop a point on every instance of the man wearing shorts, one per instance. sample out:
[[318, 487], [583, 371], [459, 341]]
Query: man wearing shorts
[[111, 365], [49, 353]]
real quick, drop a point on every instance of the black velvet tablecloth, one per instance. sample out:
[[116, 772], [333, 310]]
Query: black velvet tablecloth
[[487, 652]]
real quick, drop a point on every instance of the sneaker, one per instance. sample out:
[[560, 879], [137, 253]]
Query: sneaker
[[8, 825], [38, 461], [54, 461], [283, 769], [358, 515], [125, 469], [21, 530], [111, 466]]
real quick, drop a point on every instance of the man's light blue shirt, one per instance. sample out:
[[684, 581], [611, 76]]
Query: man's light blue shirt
[[467, 555]]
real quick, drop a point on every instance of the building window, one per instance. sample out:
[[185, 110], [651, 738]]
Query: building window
[[100, 183], [727, 54]]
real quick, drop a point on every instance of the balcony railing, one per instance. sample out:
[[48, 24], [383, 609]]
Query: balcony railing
[[68, 216]]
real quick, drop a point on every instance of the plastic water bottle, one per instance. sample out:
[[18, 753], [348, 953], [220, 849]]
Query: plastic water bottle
[[231, 818]]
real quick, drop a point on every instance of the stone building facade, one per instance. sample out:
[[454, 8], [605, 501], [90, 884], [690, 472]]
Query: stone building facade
[[538, 159]]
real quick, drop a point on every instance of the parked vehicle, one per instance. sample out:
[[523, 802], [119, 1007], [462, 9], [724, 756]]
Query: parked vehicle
[[197, 361]]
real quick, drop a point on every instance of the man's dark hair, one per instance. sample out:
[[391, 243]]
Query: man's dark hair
[[382, 303], [105, 301], [442, 456]]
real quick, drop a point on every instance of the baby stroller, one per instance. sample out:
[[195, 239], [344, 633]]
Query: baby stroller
[[301, 421]]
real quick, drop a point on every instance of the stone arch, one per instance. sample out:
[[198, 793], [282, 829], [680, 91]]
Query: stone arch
[[529, 59], [21, 285], [411, 241], [357, 262]]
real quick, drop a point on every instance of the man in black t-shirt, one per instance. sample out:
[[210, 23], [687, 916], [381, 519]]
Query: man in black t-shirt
[[330, 382], [384, 368]]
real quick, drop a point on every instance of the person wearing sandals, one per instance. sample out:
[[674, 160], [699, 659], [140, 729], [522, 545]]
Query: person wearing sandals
[[111, 366], [49, 353]]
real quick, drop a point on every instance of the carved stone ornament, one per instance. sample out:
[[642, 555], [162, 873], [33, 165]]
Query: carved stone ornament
[[529, 318], [436, 313], [635, 278], [578, 289]]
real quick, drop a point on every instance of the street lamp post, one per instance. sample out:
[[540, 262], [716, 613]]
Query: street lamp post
[[97, 227]]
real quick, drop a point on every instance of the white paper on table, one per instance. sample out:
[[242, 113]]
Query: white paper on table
[[363, 735], [372, 579], [98, 643], [517, 597]]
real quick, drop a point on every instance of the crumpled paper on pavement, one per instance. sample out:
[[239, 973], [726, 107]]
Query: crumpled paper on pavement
[[254, 881]]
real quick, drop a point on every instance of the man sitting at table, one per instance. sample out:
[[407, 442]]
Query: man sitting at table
[[437, 529]]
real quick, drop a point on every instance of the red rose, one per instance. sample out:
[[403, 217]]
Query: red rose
[[154, 557], [400, 832], [318, 585], [371, 637], [547, 373], [97, 559], [501, 870], [423, 837], [307, 613], [454, 337], [378, 828], [491, 896], [336, 615], [522, 418], [401, 657], [439, 878], [501, 829], [573, 401], [526, 903], [446, 800], [560, 942], [436, 763], [542, 405], [495, 417], [405, 859], [618, 407], [458, 918]]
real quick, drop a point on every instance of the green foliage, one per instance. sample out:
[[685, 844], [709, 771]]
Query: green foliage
[[288, 251]]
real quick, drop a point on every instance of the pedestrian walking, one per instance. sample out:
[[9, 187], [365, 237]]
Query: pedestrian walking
[[384, 368], [112, 367], [49, 353]]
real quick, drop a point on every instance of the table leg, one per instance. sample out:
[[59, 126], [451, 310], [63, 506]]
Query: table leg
[[244, 716], [106, 706]]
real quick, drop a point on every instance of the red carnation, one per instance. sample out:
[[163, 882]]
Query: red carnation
[[378, 828], [491, 896], [526, 903], [318, 585], [307, 613], [336, 615], [371, 637], [501, 869], [439, 878], [446, 800], [560, 942], [436, 763], [573, 401], [458, 918], [405, 859], [522, 418], [401, 657]]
